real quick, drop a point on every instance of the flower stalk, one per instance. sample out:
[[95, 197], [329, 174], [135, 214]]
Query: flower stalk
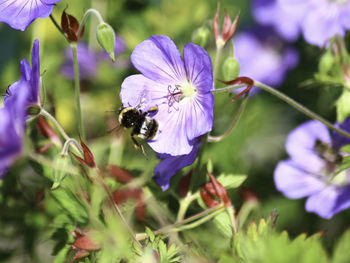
[[300, 107], [77, 91]]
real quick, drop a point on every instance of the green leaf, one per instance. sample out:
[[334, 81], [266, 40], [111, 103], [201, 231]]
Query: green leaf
[[341, 252], [346, 149], [230, 181]]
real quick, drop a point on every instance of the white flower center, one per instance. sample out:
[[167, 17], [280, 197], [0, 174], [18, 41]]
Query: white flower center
[[188, 90]]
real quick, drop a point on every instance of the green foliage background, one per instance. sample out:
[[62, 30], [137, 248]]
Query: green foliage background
[[253, 148]]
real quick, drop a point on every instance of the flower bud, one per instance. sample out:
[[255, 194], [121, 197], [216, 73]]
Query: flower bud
[[326, 63], [343, 106], [201, 36], [61, 163], [106, 38], [230, 68]]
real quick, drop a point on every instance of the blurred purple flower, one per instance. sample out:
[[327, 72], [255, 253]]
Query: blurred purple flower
[[318, 20], [170, 165], [263, 56], [89, 59], [180, 89], [20, 13], [28, 84], [269, 12], [19, 96], [312, 170]]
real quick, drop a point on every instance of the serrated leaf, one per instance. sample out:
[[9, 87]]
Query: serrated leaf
[[262, 226], [252, 232], [150, 234], [231, 181], [341, 252]]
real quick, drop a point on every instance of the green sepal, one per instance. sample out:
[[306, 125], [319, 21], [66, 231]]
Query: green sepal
[[106, 38]]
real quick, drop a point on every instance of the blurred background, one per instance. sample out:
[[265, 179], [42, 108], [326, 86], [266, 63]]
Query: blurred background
[[253, 148]]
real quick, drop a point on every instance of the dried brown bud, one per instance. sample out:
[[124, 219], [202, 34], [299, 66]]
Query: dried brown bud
[[70, 26]]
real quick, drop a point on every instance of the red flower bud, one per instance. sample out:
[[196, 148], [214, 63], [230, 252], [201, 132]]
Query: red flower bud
[[214, 189], [85, 243], [120, 174], [80, 254], [70, 26], [228, 30], [46, 130], [184, 184], [89, 159]]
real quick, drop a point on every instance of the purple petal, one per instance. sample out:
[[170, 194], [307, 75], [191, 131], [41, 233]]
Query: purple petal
[[167, 168], [339, 140], [158, 58], [294, 182], [172, 137], [198, 68], [258, 56], [330, 201], [35, 74], [270, 13], [300, 145], [318, 28], [200, 116], [20, 13]]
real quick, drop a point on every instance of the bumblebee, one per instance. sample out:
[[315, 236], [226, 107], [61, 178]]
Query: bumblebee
[[142, 125]]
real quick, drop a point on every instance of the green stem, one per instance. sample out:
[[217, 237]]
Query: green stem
[[217, 60], [227, 89], [184, 204], [207, 214], [87, 13], [46, 114], [198, 222], [300, 107], [77, 91], [233, 124]]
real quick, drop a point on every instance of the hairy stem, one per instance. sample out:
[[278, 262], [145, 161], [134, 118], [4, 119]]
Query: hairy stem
[[77, 91], [233, 124], [300, 107]]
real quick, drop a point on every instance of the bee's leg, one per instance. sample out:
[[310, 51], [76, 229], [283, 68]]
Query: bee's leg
[[137, 145]]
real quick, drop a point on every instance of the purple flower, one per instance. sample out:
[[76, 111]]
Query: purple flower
[[20, 13], [312, 170], [269, 12], [170, 165], [180, 89], [20, 95], [318, 20], [29, 82], [263, 56]]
